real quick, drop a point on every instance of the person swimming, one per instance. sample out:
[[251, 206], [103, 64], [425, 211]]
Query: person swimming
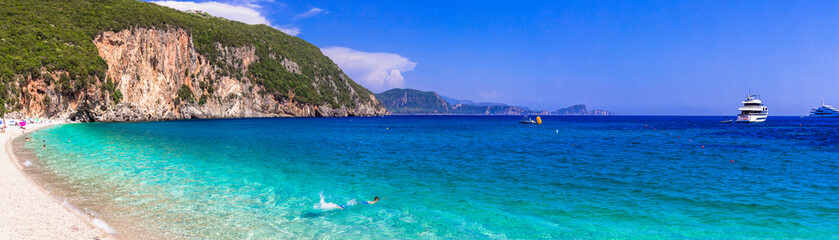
[[375, 200]]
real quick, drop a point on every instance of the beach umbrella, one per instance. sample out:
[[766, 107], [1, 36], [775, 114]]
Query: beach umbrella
[[23, 124]]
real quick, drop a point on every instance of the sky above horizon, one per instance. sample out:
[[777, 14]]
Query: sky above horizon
[[632, 58]]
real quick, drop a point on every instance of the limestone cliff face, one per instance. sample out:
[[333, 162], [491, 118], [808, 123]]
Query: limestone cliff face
[[160, 76]]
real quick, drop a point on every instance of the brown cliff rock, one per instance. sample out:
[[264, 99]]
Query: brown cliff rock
[[150, 66]]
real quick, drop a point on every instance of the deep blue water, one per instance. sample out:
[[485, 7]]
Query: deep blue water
[[454, 177]]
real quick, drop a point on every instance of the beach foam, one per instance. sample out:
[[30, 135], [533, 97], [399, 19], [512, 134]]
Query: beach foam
[[104, 226], [91, 215], [73, 208]]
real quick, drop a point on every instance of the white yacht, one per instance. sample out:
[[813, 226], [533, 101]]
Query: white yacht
[[825, 111], [752, 110]]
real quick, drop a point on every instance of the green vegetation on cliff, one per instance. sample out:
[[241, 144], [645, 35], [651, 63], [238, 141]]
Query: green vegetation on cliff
[[57, 36]]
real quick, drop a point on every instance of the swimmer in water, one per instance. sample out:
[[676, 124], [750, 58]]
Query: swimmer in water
[[375, 199]]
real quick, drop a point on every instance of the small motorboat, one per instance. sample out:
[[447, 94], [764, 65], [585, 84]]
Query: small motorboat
[[727, 121], [527, 120]]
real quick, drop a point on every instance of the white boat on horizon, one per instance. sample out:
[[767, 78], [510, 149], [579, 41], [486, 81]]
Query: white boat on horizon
[[824, 111], [753, 110]]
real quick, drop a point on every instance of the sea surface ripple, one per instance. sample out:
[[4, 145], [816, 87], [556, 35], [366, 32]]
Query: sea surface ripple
[[452, 177]]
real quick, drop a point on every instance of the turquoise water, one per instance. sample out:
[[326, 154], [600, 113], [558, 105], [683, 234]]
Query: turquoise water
[[453, 177]]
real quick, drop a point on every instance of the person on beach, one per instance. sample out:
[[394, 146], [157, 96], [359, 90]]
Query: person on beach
[[375, 199]]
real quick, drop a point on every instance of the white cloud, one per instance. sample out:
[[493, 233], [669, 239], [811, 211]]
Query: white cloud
[[236, 13], [246, 13], [253, 3], [377, 71], [293, 31], [311, 13]]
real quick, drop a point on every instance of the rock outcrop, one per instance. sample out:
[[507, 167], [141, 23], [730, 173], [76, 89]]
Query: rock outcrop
[[156, 74]]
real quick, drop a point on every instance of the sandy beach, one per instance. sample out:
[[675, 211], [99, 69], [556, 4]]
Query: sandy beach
[[28, 211]]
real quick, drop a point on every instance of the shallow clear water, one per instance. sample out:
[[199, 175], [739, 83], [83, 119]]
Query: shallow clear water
[[453, 177]]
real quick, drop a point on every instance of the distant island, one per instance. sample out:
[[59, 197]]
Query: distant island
[[416, 102]]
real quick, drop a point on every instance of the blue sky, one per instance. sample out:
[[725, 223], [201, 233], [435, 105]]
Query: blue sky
[[633, 58]]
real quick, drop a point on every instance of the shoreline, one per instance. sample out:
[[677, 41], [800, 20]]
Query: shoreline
[[30, 212]]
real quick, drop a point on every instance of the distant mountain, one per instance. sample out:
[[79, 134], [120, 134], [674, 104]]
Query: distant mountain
[[455, 101], [412, 101], [580, 109], [488, 110]]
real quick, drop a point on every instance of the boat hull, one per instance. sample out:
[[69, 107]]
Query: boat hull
[[835, 115], [751, 118]]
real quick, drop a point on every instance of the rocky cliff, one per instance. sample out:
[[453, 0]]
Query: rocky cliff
[[159, 76], [162, 72]]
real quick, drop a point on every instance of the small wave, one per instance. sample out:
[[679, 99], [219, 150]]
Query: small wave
[[104, 226], [73, 208], [95, 221]]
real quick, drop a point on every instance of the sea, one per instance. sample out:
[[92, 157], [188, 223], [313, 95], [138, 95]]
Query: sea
[[447, 177]]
